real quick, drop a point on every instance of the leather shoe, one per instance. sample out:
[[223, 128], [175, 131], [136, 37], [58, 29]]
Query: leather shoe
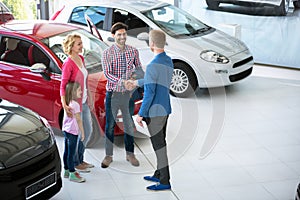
[[151, 178], [106, 161], [88, 165], [132, 159], [82, 168], [159, 187]]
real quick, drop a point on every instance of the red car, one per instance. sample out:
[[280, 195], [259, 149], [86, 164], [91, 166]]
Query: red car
[[30, 70]]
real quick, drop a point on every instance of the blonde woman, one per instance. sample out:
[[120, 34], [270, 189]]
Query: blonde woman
[[74, 70]]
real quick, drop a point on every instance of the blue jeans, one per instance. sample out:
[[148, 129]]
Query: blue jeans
[[86, 122], [87, 127], [114, 102], [70, 149]]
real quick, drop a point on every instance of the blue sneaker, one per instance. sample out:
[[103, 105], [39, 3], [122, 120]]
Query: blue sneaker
[[151, 178], [159, 187]]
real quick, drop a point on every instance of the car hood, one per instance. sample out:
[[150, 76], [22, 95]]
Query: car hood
[[23, 135], [217, 41]]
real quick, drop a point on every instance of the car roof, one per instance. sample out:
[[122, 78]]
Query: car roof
[[141, 5], [37, 28]]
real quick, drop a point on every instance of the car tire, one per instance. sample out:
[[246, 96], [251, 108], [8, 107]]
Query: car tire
[[184, 81], [296, 4], [95, 135], [212, 4], [283, 8]]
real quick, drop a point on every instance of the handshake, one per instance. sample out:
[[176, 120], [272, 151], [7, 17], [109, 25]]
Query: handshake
[[130, 84]]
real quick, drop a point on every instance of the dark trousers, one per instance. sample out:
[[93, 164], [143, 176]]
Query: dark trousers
[[114, 102], [70, 149], [157, 128]]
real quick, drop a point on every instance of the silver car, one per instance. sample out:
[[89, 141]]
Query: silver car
[[203, 56], [281, 6]]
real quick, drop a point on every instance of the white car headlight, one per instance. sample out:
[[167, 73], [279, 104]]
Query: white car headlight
[[212, 56]]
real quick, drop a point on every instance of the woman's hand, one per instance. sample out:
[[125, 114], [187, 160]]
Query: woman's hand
[[68, 110], [90, 101], [82, 137]]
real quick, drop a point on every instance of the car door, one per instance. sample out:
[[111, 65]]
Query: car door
[[29, 87]]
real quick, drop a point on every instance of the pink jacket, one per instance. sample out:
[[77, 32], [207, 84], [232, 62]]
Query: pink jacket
[[71, 72]]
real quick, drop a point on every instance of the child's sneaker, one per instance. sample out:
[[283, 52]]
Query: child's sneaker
[[74, 176], [66, 173]]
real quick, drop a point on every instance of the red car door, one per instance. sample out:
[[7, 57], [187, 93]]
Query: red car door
[[29, 89], [34, 89]]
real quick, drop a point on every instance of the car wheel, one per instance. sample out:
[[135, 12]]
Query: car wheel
[[283, 8], [95, 136], [184, 81], [212, 4], [296, 4]]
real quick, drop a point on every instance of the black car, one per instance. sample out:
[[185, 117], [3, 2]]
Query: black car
[[30, 165]]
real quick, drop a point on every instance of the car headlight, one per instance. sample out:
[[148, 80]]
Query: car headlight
[[212, 56]]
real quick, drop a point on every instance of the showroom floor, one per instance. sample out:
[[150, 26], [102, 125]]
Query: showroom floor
[[241, 142]]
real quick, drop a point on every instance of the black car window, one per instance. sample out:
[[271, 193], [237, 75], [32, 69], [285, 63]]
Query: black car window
[[135, 24], [14, 51], [22, 52], [96, 13]]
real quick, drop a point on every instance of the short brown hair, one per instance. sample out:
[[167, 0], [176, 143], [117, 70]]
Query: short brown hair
[[118, 26], [69, 41], [158, 38]]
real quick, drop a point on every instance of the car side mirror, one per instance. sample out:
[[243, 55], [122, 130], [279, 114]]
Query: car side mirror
[[38, 68], [41, 69], [143, 36]]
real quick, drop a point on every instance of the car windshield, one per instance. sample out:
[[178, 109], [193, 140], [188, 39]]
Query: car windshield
[[92, 48], [176, 22]]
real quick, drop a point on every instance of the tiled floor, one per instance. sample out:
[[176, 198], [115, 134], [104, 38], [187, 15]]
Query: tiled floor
[[241, 142]]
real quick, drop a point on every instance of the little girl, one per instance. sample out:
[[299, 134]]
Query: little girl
[[71, 127]]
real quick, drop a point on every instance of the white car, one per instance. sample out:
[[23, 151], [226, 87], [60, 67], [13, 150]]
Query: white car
[[281, 6], [203, 56]]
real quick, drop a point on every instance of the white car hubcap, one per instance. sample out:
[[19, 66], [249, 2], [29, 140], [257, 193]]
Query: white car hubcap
[[180, 81]]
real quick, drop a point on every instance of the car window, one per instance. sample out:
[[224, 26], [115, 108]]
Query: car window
[[135, 24], [22, 52], [96, 13]]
